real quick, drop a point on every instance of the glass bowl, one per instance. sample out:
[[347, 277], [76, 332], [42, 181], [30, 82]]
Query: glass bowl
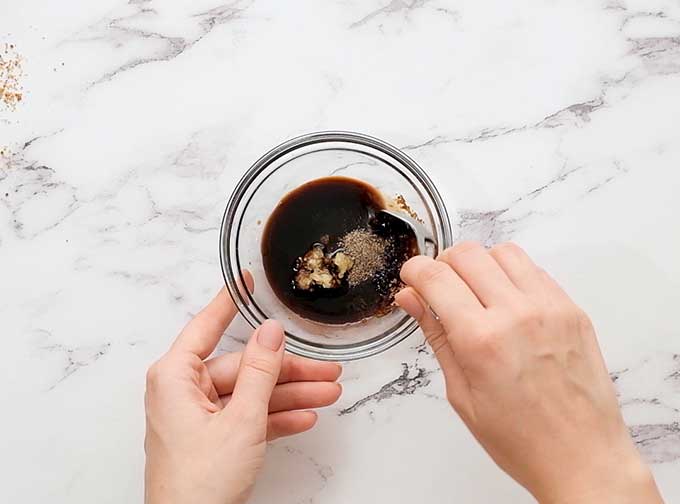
[[285, 168]]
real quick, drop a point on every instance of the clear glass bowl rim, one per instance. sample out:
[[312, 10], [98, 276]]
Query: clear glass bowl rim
[[331, 353]]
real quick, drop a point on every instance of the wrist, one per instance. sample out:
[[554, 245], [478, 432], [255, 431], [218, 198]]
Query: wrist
[[185, 486], [630, 482]]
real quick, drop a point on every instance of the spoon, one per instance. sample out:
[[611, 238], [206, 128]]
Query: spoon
[[423, 235]]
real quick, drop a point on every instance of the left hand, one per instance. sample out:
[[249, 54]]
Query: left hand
[[208, 421]]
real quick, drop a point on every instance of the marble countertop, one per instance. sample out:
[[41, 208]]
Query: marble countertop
[[124, 126]]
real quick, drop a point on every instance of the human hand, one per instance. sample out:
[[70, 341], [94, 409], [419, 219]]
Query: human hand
[[208, 421], [524, 371]]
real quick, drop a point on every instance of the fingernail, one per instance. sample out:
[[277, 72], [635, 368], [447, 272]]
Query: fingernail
[[270, 335], [314, 414]]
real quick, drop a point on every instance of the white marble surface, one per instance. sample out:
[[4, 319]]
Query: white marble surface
[[554, 123]]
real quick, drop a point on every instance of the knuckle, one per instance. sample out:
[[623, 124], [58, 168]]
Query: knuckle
[[453, 399], [482, 332], [548, 280], [154, 374], [570, 316], [464, 246], [558, 314], [455, 253], [459, 404], [506, 249], [261, 365], [484, 341], [527, 316], [433, 272], [583, 320], [565, 312], [410, 267]]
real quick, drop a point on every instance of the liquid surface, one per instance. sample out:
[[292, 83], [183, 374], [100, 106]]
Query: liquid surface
[[321, 213]]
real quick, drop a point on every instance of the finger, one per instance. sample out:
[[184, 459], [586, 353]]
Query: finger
[[549, 282], [457, 385], [206, 386], [299, 396], [304, 395], [480, 272], [442, 289], [259, 369], [223, 370], [414, 305], [201, 335], [288, 423], [519, 267], [203, 332], [553, 291]]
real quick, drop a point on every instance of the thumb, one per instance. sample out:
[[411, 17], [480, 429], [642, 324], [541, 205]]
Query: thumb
[[457, 386], [409, 300], [260, 368]]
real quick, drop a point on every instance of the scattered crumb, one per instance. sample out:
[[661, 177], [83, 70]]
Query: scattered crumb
[[5, 158], [11, 72], [259, 222], [399, 203]]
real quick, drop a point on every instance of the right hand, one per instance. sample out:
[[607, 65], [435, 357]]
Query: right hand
[[524, 371]]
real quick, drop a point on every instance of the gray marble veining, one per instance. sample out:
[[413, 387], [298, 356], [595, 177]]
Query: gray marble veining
[[553, 124]]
